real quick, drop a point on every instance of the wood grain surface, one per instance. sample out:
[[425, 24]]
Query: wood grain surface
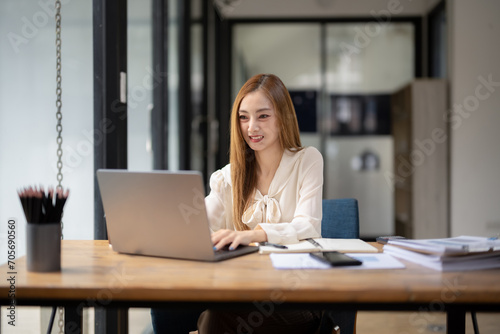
[[92, 270]]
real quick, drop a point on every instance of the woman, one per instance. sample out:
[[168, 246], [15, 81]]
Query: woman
[[271, 191], [275, 184]]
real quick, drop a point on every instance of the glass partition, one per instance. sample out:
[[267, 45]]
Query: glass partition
[[141, 79], [292, 52], [366, 63], [199, 120], [369, 58]]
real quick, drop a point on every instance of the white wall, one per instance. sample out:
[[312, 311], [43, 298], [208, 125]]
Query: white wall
[[474, 53], [27, 112]]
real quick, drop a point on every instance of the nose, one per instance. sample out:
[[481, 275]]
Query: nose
[[253, 126]]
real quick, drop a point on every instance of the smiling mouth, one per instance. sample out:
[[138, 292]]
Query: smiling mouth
[[255, 139]]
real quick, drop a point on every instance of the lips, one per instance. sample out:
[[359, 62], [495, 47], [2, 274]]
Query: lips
[[255, 139]]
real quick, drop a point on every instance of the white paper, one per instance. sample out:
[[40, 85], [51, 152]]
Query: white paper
[[296, 261], [376, 261], [305, 261]]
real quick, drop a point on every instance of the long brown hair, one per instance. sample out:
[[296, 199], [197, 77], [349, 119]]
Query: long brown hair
[[242, 157]]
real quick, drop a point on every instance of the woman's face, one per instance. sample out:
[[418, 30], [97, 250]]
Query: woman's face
[[258, 122]]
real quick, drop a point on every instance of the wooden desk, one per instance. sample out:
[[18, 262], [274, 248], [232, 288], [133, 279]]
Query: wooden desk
[[93, 275]]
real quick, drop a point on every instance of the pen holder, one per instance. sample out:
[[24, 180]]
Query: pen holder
[[43, 247]]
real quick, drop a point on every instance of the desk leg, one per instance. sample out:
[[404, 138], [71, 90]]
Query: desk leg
[[111, 320], [455, 321], [72, 321]]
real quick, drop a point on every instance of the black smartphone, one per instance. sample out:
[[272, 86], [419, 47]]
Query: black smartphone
[[384, 240], [336, 259]]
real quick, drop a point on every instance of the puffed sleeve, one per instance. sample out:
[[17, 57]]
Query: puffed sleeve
[[216, 201], [306, 222]]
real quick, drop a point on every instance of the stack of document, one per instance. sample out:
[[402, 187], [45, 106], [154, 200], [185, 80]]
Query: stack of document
[[448, 254]]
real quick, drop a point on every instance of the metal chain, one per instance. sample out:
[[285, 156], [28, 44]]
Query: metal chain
[[59, 128], [60, 322]]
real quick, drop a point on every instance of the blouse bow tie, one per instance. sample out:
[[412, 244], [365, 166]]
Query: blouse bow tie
[[255, 213]]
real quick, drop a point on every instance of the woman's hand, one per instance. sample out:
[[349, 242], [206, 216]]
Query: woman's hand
[[232, 238]]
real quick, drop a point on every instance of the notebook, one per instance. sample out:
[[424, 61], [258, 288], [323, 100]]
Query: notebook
[[323, 245], [159, 213]]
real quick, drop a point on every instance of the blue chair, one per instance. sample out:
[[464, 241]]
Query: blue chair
[[340, 220]]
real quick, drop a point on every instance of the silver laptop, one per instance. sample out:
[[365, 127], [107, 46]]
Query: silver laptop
[[159, 213]]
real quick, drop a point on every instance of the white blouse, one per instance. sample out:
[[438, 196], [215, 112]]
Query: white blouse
[[292, 209]]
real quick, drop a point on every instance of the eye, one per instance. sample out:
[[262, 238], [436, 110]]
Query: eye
[[264, 116], [242, 117]]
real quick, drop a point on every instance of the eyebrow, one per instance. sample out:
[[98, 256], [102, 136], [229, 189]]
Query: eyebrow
[[259, 110]]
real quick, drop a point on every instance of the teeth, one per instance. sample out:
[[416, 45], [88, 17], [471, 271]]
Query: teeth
[[256, 137]]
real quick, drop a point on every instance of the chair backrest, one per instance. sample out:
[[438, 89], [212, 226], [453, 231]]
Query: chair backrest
[[340, 218]]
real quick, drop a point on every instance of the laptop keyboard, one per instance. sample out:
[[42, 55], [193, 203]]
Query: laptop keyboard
[[225, 253], [224, 249]]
